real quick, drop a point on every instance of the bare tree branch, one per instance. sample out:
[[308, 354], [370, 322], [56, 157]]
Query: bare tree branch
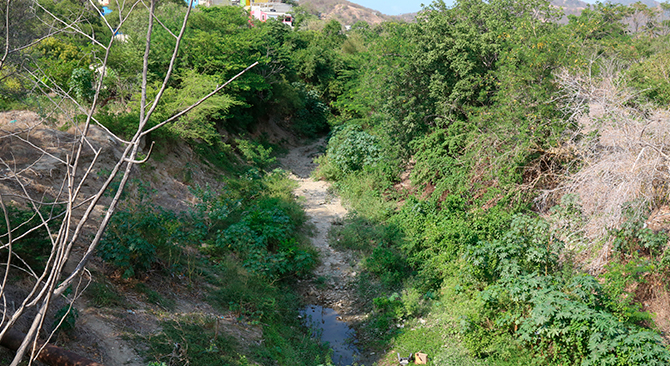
[[76, 165]]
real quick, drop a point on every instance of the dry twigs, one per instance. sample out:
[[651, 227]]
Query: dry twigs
[[622, 146], [27, 150]]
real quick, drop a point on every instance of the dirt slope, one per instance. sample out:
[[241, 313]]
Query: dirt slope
[[348, 13]]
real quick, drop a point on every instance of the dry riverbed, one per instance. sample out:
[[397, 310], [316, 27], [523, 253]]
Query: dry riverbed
[[333, 282]]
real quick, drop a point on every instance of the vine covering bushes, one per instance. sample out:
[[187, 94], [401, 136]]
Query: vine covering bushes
[[477, 109], [445, 132]]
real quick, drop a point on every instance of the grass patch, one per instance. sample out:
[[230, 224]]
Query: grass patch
[[153, 297], [219, 155], [193, 340], [361, 234], [363, 193], [249, 296], [274, 306], [103, 294]]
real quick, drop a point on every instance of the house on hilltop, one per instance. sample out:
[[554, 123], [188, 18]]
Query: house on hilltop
[[260, 9], [265, 9], [209, 3]]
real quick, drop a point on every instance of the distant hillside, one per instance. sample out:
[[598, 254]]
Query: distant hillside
[[570, 7], [575, 7], [650, 3], [349, 13]]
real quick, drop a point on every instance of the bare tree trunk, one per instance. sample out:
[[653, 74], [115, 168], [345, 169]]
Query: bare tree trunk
[[50, 354], [79, 207]]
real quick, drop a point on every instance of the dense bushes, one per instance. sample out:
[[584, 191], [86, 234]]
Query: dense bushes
[[350, 150], [311, 118], [257, 220], [142, 235], [572, 318], [263, 239], [475, 108], [651, 76]]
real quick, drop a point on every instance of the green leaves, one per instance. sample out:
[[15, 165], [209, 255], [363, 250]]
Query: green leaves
[[81, 84], [350, 150], [35, 245], [256, 154], [134, 237], [528, 247], [263, 238], [573, 320], [312, 118]]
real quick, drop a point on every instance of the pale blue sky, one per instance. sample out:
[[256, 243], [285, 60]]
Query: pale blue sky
[[393, 7]]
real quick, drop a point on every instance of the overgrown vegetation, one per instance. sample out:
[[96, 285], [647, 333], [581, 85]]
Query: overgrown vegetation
[[254, 239], [518, 191], [504, 167], [30, 240]]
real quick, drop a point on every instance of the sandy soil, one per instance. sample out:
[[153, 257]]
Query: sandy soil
[[322, 207]]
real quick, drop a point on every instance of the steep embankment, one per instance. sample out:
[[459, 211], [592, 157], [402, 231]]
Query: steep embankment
[[110, 313]]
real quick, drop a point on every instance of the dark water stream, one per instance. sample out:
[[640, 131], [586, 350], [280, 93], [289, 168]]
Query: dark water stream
[[324, 323]]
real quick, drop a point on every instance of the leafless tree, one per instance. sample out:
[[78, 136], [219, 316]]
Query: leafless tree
[[621, 143], [66, 228]]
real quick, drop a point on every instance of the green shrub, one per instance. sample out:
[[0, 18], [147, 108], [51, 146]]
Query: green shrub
[[438, 232], [212, 210], [81, 84], [123, 125], [619, 280], [263, 238], [258, 220], [218, 155], [65, 318], [389, 265], [33, 247], [570, 319], [312, 118], [383, 322], [359, 233], [634, 236], [245, 293], [650, 77], [363, 192], [139, 237], [350, 150], [528, 247], [256, 154]]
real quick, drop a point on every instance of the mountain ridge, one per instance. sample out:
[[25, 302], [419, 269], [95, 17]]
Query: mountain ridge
[[348, 12]]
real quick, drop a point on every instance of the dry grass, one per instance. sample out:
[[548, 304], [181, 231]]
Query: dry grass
[[622, 146]]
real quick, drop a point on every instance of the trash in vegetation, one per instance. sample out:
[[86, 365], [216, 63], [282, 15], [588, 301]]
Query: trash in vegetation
[[420, 358], [404, 360]]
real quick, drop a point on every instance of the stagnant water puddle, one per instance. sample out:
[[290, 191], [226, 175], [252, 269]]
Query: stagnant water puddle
[[326, 326]]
